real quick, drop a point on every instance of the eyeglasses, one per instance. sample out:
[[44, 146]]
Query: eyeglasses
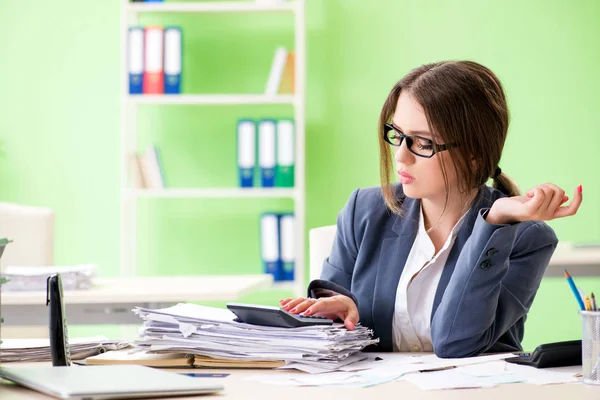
[[417, 145]]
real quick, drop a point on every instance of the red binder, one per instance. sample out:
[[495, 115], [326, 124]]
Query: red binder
[[154, 77]]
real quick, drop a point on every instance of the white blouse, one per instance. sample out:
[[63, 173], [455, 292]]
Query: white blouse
[[416, 290]]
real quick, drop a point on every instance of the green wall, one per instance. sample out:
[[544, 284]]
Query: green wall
[[59, 120]]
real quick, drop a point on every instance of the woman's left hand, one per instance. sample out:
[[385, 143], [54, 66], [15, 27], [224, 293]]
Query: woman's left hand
[[543, 202]]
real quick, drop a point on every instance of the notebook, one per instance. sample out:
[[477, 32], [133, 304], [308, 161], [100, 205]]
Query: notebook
[[176, 360]]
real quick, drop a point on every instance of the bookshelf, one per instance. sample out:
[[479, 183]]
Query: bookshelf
[[213, 193], [219, 99], [130, 104]]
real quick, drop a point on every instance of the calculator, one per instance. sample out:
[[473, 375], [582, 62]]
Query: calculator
[[273, 316]]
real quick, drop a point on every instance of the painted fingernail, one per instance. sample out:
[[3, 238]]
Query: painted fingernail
[[580, 189], [293, 310]]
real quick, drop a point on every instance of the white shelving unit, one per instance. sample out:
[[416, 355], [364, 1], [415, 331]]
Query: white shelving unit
[[130, 13]]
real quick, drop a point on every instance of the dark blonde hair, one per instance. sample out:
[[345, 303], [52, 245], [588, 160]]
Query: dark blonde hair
[[464, 103]]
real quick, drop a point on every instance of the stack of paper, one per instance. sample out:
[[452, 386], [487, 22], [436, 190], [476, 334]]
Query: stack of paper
[[34, 278], [39, 349], [213, 332]]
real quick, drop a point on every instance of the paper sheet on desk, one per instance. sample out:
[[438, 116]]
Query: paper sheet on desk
[[336, 379], [489, 374], [449, 379], [544, 376]]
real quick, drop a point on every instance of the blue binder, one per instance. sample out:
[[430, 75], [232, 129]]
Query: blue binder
[[135, 59], [246, 151], [287, 246], [269, 238], [172, 66], [266, 151]]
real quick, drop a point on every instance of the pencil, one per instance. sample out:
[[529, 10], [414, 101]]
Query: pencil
[[574, 290], [588, 303], [593, 298]]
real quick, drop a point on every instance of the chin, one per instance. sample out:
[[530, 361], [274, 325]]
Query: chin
[[411, 191]]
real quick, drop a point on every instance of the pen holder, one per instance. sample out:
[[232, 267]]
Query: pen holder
[[590, 347]]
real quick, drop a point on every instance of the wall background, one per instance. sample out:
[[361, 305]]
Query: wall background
[[59, 120]]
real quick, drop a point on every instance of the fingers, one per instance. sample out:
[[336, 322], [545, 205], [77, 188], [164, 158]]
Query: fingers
[[301, 307], [557, 198], [546, 201], [293, 303], [339, 306], [323, 306], [536, 201], [283, 302], [351, 319], [549, 195], [572, 208]]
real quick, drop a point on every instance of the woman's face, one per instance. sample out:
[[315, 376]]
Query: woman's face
[[421, 177]]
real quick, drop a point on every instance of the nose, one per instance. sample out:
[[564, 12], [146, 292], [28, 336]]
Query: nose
[[403, 155]]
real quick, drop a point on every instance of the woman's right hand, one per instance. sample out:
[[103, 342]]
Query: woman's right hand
[[338, 306]]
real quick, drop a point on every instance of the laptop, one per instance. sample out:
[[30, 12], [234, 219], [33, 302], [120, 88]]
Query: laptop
[[107, 382]]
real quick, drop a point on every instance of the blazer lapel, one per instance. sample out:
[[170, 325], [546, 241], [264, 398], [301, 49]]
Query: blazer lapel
[[393, 255], [481, 201]]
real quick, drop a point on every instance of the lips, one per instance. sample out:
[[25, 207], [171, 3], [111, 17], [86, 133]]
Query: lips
[[405, 178], [405, 175]]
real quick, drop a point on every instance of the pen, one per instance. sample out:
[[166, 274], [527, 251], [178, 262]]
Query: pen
[[593, 298], [574, 290]]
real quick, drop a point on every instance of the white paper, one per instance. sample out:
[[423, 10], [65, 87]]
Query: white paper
[[334, 379], [493, 368], [449, 379], [544, 376]]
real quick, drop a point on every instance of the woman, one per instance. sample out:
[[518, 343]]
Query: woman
[[440, 262]]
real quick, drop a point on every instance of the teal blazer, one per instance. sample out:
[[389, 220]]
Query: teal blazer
[[486, 289]]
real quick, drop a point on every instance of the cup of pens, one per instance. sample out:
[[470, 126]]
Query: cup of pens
[[590, 338], [590, 346]]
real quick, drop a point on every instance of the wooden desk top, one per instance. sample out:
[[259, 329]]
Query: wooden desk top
[[236, 387]]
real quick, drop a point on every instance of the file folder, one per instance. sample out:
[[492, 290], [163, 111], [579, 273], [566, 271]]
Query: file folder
[[153, 61], [287, 223], [284, 174], [266, 152], [269, 237], [172, 60], [135, 59], [246, 151]]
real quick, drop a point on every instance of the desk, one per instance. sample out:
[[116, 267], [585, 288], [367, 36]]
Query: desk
[[238, 388], [111, 299], [580, 261]]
